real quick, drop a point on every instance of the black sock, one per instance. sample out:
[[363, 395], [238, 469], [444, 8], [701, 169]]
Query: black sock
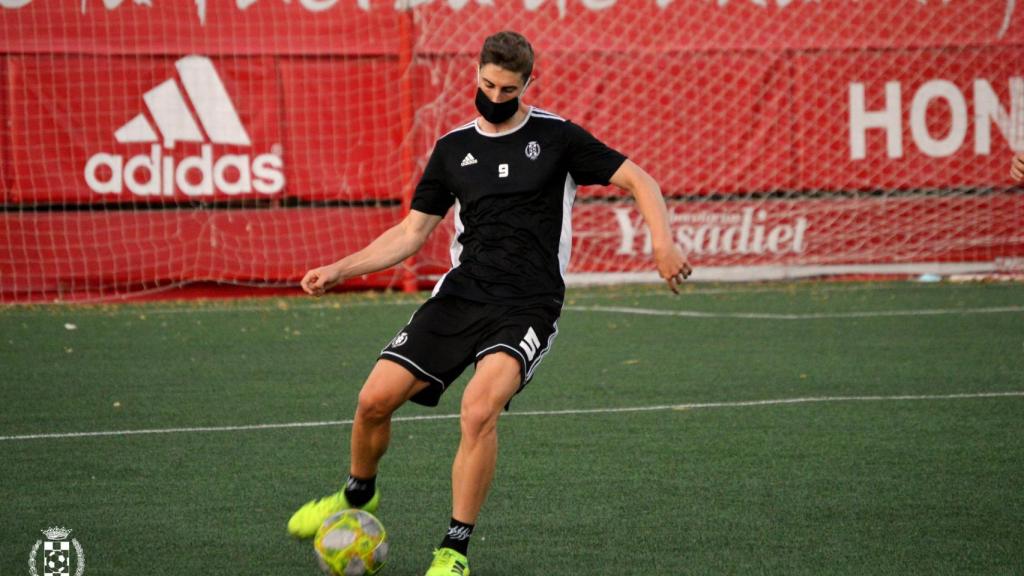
[[359, 491], [457, 537]]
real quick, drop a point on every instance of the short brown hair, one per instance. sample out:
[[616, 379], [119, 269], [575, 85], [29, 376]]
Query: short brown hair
[[508, 50]]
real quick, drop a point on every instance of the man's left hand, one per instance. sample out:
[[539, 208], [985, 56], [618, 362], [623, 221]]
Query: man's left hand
[[672, 266]]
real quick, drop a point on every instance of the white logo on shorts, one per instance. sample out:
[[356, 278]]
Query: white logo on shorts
[[530, 343], [399, 340]]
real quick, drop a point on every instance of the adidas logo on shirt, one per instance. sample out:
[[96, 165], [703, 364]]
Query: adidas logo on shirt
[[175, 123], [468, 160]]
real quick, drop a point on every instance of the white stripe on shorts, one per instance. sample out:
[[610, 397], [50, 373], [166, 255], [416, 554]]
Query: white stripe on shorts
[[418, 367], [551, 340]]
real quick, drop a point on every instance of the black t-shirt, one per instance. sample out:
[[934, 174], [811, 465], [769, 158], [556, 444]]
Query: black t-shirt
[[513, 195]]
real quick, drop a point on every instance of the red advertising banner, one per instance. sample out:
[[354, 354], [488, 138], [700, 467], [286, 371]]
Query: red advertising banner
[[699, 25], [806, 232], [348, 27], [675, 128], [87, 129], [50, 254], [908, 119], [669, 119], [245, 27], [343, 131], [332, 130], [106, 253], [5, 140]]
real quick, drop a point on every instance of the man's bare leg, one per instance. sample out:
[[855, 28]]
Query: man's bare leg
[[496, 380], [388, 386], [386, 389]]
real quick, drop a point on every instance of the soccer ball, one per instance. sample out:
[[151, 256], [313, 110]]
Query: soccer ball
[[351, 543]]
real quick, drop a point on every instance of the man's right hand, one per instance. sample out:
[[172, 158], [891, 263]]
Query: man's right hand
[[320, 280], [1017, 167]]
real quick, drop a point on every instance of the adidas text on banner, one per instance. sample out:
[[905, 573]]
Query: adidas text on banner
[[216, 122]]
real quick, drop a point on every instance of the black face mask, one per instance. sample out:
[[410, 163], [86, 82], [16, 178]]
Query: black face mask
[[495, 112]]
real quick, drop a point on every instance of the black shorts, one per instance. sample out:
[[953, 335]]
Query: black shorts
[[448, 333]]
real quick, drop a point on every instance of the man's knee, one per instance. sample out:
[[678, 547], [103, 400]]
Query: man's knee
[[375, 405], [384, 392], [478, 417], [495, 382]]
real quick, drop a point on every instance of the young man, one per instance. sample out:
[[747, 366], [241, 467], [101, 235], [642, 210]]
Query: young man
[[511, 175]]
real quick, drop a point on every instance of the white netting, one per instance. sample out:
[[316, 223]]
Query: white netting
[[154, 144]]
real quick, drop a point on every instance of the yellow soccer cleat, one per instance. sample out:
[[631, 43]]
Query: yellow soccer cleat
[[448, 562], [307, 520]]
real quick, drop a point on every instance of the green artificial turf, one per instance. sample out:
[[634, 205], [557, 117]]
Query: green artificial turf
[[806, 428]]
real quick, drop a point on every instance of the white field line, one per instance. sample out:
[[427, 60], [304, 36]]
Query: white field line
[[271, 304], [567, 412], [662, 290], [578, 308], [136, 308], [273, 307], [812, 316]]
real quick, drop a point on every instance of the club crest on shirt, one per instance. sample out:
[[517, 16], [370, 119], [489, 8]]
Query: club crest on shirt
[[532, 150]]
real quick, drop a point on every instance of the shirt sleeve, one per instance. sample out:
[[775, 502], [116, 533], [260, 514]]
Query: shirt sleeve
[[590, 160], [432, 195]]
